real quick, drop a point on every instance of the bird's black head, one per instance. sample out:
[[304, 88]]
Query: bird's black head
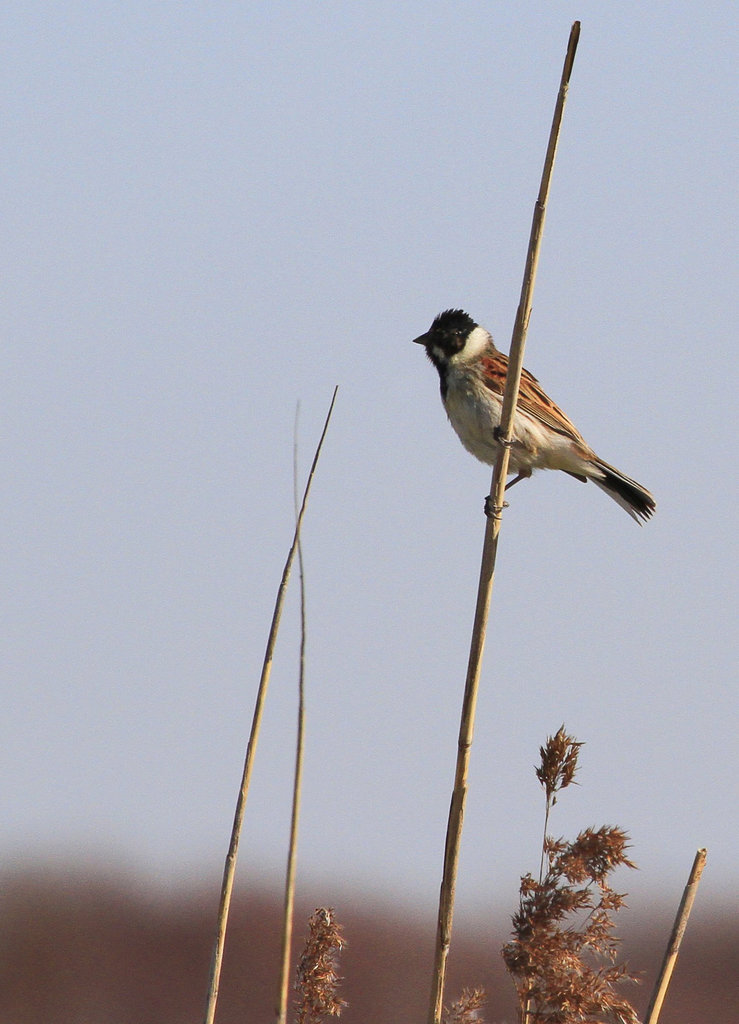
[[447, 335]]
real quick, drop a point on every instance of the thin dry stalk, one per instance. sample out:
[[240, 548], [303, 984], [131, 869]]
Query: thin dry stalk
[[229, 869], [678, 930], [287, 916], [487, 569], [318, 980]]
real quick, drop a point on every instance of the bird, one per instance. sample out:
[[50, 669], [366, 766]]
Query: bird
[[472, 374]]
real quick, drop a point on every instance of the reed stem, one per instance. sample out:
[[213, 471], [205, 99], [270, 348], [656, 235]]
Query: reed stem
[[229, 869], [673, 946], [489, 552], [292, 854]]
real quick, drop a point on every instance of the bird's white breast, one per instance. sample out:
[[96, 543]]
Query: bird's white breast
[[473, 411]]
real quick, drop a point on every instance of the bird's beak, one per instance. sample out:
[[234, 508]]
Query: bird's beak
[[422, 340]]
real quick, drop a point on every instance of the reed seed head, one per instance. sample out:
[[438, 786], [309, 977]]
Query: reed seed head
[[318, 981], [466, 1010], [563, 954], [558, 763]]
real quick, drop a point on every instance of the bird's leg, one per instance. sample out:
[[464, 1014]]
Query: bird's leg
[[521, 476], [493, 511], [508, 443]]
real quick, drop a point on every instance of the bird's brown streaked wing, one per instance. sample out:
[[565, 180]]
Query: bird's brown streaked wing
[[531, 398]]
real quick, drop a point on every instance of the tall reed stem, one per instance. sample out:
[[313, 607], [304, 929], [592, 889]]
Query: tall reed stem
[[489, 552], [292, 854], [229, 869], [673, 946]]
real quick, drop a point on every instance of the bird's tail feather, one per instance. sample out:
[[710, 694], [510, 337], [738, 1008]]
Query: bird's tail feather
[[630, 495]]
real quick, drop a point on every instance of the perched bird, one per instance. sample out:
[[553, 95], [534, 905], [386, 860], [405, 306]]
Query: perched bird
[[472, 373]]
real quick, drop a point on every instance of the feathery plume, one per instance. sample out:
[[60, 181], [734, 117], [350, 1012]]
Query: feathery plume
[[466, 1010], [563, 955], [318, 981]]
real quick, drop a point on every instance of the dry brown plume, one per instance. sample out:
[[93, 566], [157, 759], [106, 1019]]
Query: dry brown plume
[[318, 981]]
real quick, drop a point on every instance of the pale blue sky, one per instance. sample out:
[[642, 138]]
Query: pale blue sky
[[215, 210]]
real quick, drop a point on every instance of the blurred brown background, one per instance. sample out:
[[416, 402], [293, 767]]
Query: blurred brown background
[[85, 948]]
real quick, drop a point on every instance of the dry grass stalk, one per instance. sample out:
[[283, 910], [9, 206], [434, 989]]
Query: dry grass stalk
[[229, 869], [318, 981], [292, 853], [490, 546], [466, 1010], [563, 956], [673, 946]]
